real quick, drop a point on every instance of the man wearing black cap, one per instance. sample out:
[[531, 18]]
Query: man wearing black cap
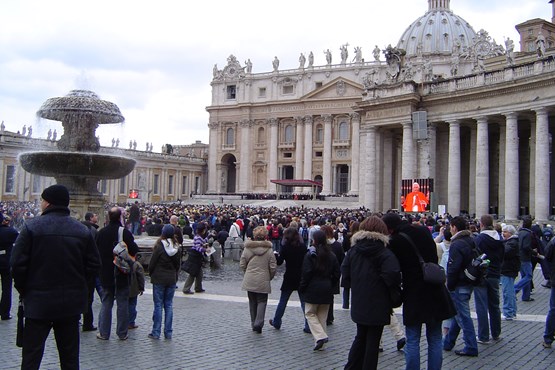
[[51, 261], [8, 235]]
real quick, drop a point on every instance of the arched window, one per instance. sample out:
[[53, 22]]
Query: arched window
[[230, 136], [343, 131], [289, 134], [261, 137], [319, 134]]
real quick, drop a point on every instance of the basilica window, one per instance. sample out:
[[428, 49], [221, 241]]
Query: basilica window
[[319, 134], [343, 131], [261, 137], [262, 92], [230, 136], [287, 89], [289, 134], [156, 184], [231, 92], [170, 184], [10, 179], [122, 189]]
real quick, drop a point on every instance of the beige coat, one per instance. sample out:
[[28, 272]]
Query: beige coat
[[259, 264]]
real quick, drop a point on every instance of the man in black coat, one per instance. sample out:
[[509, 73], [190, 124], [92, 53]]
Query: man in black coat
[[423, 303], [51, 261], [115, 284], [8, 235], [91, 220]]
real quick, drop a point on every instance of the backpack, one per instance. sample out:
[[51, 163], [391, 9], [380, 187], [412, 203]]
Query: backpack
[[122, 261], [547, 234], [476, 271], [304, 234], [275, 232]]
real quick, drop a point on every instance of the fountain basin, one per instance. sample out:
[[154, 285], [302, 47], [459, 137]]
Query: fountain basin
[[78, 171]]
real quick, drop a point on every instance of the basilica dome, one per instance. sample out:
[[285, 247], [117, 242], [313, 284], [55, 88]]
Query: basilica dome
[[439, 31]]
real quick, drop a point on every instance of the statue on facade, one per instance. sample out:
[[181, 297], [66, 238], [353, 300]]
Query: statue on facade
[[49, 135], [54, 135], [370, 79], [302, 61], [376, 52], [248, 65], [427, 70], [113, 142], [358, 55], [134, 145], [24, 130], [328, 57], [275, 64], [117, 142], [130, 144], [540, 44], [510, 51], [30, 131], [310, 59], [344, 53], [455, 60], [394, 58], [2, 126]]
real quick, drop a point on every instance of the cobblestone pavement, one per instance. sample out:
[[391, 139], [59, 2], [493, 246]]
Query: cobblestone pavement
[[212, 331]]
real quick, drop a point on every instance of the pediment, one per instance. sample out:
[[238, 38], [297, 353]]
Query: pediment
[[337, 88]]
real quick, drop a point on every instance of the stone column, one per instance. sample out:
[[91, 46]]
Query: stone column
[[482, 167], [371, 167], [355, 153], [468, 192], [212, 157], [408, 165], [511, 167], [299, 151], [273, 148], [454, 169], [542, 175], [326, 163], [307, 170], [245, 169]]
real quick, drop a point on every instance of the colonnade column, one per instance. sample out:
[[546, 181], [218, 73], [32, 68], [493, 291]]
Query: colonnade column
[[542, 175], [355, 153], [511, 167], [454, 169], [408, 165], [326, 163], [245, 168], [272, 167], [307, 170], [213, 153], [482, 167], [299, 153], [371, 168]]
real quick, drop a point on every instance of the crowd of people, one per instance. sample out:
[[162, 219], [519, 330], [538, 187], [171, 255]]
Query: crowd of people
[[376, 258]]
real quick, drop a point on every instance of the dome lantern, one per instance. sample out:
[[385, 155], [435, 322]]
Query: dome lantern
[[438, 4]]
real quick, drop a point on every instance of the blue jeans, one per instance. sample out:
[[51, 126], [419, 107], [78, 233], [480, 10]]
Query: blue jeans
[[548, 335], [136, 225], [486, 298], [163, 299], [525, 282], [461, 299], [412, 349], [280, 310], [509, 297], [276, 245], [121, 296], [132, 310]]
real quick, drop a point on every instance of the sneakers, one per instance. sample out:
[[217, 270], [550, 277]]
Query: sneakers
[[401, 343], [101, 337], [546, 345], [509, 318], [487, 341]]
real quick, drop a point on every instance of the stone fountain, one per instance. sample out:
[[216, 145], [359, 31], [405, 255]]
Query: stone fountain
[[77, 164]]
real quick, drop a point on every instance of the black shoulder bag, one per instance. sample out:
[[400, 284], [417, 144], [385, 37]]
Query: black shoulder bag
[[433, 273]]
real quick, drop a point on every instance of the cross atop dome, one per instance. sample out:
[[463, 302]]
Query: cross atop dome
[[438, 4]]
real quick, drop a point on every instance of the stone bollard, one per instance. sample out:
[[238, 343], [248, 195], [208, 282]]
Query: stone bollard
[[217, 255]]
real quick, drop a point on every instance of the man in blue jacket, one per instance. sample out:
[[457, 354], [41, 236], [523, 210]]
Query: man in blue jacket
[[51, 261]]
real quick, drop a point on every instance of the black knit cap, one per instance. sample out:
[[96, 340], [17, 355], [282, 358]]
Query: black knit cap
[[57, 195]]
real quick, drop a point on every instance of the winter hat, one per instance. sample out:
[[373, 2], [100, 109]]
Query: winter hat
[[168, 231], [57, 195]]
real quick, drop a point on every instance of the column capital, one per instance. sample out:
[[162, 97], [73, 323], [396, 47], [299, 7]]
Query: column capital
[[299, 120], [272, 122], [372, 129], [327, 118], [355, 116], [308, 120], [246, 123], [481, 120], [213, 125], [540, 111], [510, 115], [454, 123], [406, 124]]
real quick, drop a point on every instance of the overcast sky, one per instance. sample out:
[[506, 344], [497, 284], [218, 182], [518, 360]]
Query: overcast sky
[[154, 59]]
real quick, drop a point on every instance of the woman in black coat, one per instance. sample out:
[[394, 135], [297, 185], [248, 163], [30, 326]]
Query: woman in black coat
[[372, 271], [337, 249], [292, 253], [319, 275], [353, 228]]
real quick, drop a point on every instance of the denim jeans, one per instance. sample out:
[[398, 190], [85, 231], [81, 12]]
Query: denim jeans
[[276, 245], [136, 227], [132, 310], [525, 282], [412, 349], [121, 296], [280, 310], [163, 300], [486, 298], [461, 299], [548, 335], [509, 297]]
